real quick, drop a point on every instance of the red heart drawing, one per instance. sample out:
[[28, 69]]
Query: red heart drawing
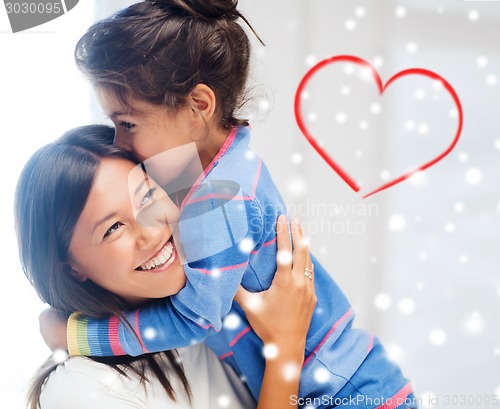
[[356, 60]]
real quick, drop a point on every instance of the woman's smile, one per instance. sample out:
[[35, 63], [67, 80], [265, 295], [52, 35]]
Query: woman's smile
[[164, 257]]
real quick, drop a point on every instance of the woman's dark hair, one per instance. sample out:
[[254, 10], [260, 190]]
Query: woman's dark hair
[[51, 194], [158, 51]]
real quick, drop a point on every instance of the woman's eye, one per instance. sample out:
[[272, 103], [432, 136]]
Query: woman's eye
[[148, 196], [113, 228], [126, 125]]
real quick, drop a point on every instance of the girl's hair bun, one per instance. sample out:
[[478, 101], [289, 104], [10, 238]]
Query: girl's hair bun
[[211, 9]]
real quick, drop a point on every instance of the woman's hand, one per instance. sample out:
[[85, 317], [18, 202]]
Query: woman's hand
[[281, 316], [53, 329]]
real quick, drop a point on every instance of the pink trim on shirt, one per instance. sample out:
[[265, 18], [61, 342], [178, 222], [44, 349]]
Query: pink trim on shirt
[[225, 146], [219, 270], [398, 399], [370, 345], [226, 355], [221, 196], [114, 337], [237, 337], [332, 329], [267, 243]]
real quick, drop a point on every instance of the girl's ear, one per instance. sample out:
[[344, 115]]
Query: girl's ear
[[73, 270], [202, 100]]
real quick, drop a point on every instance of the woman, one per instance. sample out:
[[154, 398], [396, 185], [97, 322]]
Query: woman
[[79, 258]]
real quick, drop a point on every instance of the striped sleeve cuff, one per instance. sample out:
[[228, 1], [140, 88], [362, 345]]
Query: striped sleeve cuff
[[76, 335]]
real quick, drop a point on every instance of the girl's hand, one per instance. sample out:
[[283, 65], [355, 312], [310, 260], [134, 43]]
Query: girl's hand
[[281, 315], [53, 329]]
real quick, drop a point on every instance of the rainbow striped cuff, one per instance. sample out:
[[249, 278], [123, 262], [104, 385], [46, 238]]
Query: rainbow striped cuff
[[76, 335]]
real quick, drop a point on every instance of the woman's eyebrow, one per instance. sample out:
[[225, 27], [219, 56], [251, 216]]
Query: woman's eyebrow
[[141, 184], [104, 219]]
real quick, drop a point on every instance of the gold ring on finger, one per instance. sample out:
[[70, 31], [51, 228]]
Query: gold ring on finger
[[308, 275]]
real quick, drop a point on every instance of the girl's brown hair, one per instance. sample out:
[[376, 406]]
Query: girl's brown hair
[[51, 194], [158, 51]]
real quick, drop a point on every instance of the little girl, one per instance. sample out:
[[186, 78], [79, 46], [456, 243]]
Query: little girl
[[171, 73]]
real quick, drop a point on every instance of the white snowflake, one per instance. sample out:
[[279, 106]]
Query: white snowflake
[[473, 15], [375, 108], [60, 355], [449, 227], [149, 333], [290, 371], [345, 90], [284, 257], [473, 176], [246, 245], [423, 128], [350, 25], [297, 186], [482, 61], [312, 116], [231, 321], [437, 337], [410, 125], [360, 11], [249, 155], [411, 47], [418, 179], [321, 375], [363, 125], [270, 351], [305, 95], [264, 105], [473, 324], [223, 401], [383, 301], [378, 61], [297, 158], [341, 118], [420, 94], [491, 79], [384, 175], [310, 60], [400, 12], [463, 259], [463, 157], [395, 352], [459, 207], [397, 222], [406, 306]]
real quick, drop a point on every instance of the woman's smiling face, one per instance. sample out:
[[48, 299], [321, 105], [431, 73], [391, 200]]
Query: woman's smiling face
[[123, 238]]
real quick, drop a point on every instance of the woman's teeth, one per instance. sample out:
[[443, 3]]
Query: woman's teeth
[[160, 259]]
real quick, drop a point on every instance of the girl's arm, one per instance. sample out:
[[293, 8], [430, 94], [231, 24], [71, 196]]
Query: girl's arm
[[281, 317], [211, 228]]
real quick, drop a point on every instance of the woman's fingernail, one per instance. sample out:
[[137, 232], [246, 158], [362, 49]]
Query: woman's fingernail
[[281, 218]]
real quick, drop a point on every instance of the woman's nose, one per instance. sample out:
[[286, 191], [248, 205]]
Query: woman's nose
[[148, 237]]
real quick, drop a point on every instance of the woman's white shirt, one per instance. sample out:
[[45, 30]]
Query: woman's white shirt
[[81, 383]]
